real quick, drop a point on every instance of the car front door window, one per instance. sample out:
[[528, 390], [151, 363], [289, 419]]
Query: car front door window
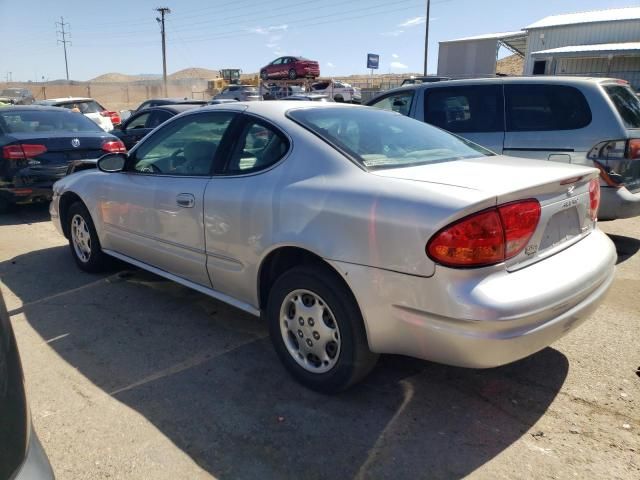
[[138, 122], [186, 147], [400, 103]]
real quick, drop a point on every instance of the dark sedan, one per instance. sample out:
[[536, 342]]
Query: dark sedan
[[144, 121], [37, 145], [21, 455]]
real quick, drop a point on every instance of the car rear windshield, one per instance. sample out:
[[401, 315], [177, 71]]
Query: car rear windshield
[[45, 121], [379, 139], [85, 107], [627, 104], [250, 89]]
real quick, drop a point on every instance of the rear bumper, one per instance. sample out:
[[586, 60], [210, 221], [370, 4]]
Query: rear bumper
[[483, 317], [618, 203], [36, 465], [25, 195]]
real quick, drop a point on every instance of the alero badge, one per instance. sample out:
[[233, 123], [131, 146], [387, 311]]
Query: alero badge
[[75, 143], [571, 189]]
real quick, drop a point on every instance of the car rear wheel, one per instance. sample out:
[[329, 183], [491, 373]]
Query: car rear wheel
[[338, 99], [317, 329], [292, 74], [83, 240]]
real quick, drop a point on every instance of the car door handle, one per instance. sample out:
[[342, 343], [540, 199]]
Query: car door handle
[[185, 200]]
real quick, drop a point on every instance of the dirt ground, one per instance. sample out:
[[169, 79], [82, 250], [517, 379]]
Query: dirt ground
[[133, 377]]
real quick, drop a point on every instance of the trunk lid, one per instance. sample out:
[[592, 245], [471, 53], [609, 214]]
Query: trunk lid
[[562, 190]]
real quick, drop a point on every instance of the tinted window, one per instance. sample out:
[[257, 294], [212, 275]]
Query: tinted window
[[157, 117], [138, 122], [258, 146], [474, 108], [184, 147], [399, 102], [378, 139], [627, 104], [45, 121], [545, 107]]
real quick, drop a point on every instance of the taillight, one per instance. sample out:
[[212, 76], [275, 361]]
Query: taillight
[[486, 238], [22, 152], [114, 116], [114, 146], [594, 198], [633, 149]]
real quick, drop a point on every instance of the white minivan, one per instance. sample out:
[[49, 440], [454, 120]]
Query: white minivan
[[586, 121]]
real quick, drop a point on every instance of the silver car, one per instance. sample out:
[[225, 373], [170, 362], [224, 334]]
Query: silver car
[[584, 121], [353, 231], [240, 93]]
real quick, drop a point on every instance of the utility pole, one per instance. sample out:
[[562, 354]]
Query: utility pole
[[64, 42], [426, 38], [163, 11]]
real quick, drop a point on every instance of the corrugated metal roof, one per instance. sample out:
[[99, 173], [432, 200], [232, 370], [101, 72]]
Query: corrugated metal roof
[[600, 48], [609, 15], [488, 36]]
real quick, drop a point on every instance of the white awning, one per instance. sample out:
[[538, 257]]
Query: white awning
[[514, 41], [598, 50]]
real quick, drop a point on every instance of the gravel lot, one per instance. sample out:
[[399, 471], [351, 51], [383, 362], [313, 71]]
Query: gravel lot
[[134, 377]]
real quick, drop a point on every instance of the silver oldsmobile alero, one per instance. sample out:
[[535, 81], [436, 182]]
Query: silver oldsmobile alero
[[353, 231]]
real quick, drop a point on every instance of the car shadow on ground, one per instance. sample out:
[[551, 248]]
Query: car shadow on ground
[[25, 214], [626, 247], [206, 376]]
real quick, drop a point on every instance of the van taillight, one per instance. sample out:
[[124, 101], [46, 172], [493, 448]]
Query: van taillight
[[594, 198], [486, 238], [23, 151]]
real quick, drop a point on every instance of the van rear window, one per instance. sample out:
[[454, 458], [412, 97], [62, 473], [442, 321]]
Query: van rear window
[[627, 104], [537, 107]]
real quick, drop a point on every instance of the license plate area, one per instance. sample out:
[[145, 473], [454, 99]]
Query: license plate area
[[562, 226]]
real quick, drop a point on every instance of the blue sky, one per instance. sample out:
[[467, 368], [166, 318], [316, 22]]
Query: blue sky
[[123, 35]]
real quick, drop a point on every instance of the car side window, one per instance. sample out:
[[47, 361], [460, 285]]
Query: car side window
[[258, 146], [468, 109], [277, 61], [138, 122], [156, 118], [184, 147], [536, 107], [399, 102]]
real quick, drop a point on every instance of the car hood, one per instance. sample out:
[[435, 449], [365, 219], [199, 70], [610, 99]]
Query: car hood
[[501, 176]]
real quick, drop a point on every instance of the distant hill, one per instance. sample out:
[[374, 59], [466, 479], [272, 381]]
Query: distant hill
[[511, 65], [193, 73]]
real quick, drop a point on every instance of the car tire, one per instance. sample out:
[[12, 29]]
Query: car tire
[[338, 99], [83, 240], [5, 205], [264, 75], [292, 74], [311, 304]]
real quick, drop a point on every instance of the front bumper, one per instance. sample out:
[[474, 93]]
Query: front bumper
[[36, 465], [486, 317], [54, 209], [618, 203]]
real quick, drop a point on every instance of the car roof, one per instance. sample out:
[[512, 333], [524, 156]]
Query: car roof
[[274, 108], [18, 108], [173, 107], [51, 101], [537, 79]]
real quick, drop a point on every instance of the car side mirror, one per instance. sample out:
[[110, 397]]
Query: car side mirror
[[112, 162]]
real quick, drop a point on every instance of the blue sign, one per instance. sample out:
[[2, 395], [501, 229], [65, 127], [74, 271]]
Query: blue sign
[[373, 60]]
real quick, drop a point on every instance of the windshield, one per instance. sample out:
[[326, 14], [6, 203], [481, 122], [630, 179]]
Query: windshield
[[627, 104], [379, 139], [45, 121]]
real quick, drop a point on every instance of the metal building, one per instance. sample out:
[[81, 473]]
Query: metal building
[[596, 43]]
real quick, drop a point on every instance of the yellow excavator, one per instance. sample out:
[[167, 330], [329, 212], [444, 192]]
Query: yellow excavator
[[229, 76]]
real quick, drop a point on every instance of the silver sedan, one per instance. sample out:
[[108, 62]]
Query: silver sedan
[[352, 231]]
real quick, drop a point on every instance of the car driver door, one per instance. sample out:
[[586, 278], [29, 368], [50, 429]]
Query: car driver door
[[153, 211]]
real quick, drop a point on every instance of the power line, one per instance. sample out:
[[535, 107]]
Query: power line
[[64, 42], [163, 11]]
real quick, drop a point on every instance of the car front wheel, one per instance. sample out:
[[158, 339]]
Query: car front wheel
[[264, 75], [83, 240], [292, 74], [317, 329]]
